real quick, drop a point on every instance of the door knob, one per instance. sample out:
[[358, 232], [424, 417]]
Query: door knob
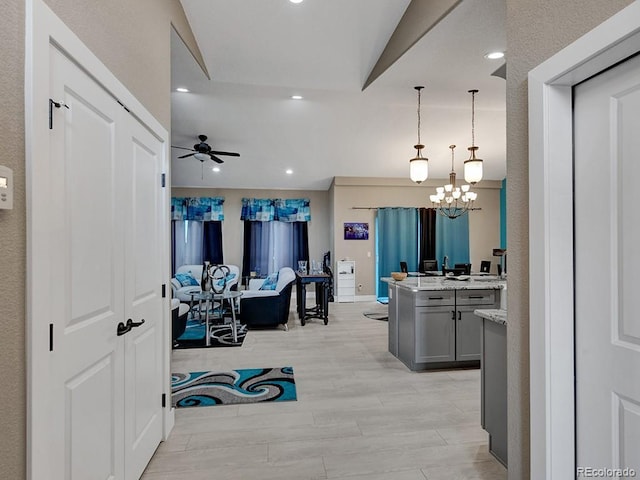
[[122, 329], [131, 324]]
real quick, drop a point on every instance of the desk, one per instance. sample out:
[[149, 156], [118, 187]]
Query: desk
[[209, 297], [321, 309]]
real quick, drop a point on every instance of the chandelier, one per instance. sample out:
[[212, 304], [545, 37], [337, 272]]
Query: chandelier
[[419, 166], [450, 200]]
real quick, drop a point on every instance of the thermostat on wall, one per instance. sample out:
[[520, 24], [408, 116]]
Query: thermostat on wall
[[6, 188]]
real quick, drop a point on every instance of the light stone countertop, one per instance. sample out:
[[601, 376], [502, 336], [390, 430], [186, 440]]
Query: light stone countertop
[[440, 283], [495, 315]]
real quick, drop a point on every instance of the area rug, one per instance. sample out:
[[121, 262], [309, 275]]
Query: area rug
[[377, 316], [203, 389], [221, 335]]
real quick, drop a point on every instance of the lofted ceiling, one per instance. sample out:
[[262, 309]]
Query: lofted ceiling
[[261, 52]]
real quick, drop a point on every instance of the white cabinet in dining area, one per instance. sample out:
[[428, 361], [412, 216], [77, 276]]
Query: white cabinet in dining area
[[345, 281]]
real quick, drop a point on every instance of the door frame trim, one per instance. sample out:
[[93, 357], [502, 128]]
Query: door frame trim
[[551, 316], [43, 29]]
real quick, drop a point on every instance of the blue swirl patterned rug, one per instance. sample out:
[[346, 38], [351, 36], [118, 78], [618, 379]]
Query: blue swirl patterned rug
[[203, 389]]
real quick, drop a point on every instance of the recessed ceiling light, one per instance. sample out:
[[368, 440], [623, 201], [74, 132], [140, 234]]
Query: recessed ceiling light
[[216, 169], [295, 1], [182, 89], [289, 171], [494, 55], [296, 97]]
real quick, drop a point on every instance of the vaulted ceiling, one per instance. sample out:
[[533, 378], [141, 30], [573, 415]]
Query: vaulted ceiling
[[258, 53]]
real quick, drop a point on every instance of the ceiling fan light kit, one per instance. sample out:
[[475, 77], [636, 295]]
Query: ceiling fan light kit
[[419, 165]]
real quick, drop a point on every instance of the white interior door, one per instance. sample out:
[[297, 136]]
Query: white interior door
[[142, 215], [87, 361], [607, 262], [106, 263]]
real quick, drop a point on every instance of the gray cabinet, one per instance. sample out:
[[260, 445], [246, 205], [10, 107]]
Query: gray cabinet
[[493, 397], [437, 328]]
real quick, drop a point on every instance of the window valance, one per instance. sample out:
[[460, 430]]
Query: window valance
[[197, 208], [278, 209]]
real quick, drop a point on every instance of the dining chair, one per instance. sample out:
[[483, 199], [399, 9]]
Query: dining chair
[[430, 265], [485, 266], [465, 266], [403, 267]]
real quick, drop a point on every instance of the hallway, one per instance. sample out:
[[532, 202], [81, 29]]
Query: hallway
[[360, 414]]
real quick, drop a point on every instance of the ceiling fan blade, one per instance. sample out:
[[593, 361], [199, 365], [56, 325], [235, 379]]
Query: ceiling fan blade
[[187, 155], [182, 148], [231, 154], [216, 159]]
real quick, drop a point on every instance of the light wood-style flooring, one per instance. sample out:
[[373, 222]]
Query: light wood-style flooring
[[360, 414]]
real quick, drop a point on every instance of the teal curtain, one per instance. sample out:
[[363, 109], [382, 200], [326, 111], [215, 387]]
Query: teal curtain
[[397, 241], [452, 239], [276, 209], [203, 209]]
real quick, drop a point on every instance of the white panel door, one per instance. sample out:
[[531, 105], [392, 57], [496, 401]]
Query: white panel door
[[607, 266], [86, 363], [142, 216]]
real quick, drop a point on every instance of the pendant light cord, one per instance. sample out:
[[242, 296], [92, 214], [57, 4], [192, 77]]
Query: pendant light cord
[[473, 116]]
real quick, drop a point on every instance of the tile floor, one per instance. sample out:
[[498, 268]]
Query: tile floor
[[360, 414]]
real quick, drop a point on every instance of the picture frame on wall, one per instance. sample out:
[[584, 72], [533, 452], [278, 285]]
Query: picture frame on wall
[[356, 231]]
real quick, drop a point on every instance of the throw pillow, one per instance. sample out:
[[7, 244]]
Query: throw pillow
[[270, 282], [223, 281], [186, 279]]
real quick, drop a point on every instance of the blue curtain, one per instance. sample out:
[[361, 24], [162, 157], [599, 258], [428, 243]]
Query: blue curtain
[[268, 246], [452, 239], [397, 241]]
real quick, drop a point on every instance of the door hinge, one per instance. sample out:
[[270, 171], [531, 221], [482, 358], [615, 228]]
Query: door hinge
[[51, 337], [164, 180], [164, 400], [53, 103], [164, 290]]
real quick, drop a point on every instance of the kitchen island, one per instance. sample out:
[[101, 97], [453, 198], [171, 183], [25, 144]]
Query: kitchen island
[[431, 321]]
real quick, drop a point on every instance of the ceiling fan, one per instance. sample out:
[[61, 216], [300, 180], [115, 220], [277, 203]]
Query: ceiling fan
[[202, 151]]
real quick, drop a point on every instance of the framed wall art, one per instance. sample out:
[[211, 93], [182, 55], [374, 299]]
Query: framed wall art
[[356, 231]]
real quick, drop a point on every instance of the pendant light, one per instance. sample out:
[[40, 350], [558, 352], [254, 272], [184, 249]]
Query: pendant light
[[419, 166], [452, 200], [473, 166]]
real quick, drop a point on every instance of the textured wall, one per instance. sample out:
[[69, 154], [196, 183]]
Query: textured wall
[[12, 244], [536, 29], [133, 40]]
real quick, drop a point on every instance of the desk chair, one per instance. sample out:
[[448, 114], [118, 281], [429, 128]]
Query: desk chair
[[485, 266], [430, 265], [465, 266]]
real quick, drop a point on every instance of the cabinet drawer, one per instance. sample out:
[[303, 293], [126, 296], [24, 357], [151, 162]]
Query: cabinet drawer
[[476, 297], [435, 298]]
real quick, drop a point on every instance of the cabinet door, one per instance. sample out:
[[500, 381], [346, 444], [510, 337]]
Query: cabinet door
[[393, 320], [435, 334], [468, 333]]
